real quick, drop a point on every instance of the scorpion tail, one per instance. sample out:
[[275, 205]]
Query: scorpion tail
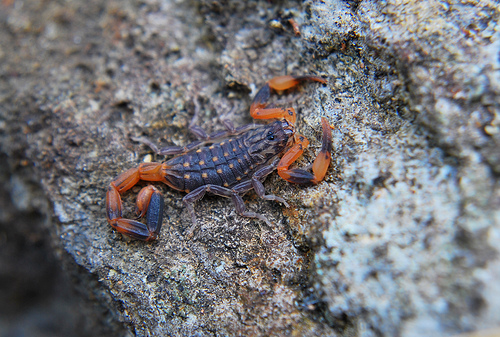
[[133, 228], [149, 203]]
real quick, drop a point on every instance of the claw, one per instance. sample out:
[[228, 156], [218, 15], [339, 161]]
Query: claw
[[299, 176], [258, 108], [320, 165], [287, 81]]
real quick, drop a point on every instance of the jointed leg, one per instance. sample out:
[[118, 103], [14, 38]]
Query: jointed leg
[[257, 185], [235, 196], [241, 209], [203, 139], [198, 193]]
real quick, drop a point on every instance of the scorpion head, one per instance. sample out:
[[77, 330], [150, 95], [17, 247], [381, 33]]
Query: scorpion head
[[270, 140]]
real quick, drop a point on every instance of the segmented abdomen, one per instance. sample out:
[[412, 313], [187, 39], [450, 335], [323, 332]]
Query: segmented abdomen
[[223, 164]]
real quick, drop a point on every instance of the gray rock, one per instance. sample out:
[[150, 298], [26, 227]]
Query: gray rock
[[399, 239]]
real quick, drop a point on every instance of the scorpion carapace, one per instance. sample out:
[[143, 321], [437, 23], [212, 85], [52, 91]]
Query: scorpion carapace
[[229, 167]]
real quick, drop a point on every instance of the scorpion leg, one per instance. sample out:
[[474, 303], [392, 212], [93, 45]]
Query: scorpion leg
[[168, 150], [234, 194], [246, 186], [257, 185], [149, 202], [241, 209], [230, 131], [320, 165], [192, 197], [201, 135]]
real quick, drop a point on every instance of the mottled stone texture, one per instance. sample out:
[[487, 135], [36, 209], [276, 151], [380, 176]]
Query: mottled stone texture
[[400, 239]]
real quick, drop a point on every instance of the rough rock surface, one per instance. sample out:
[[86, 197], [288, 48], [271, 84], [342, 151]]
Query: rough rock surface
[[400, 239]]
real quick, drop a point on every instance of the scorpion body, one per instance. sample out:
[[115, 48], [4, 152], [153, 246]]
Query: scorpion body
[[229, 168], [230, 162]]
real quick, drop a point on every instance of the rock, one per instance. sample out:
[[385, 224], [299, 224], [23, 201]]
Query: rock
[[400, 238]]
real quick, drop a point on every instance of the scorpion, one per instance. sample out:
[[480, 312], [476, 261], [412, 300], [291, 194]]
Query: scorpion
[[227, 164]]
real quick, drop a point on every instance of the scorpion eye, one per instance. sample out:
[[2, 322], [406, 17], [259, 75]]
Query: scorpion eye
[[270, 135]]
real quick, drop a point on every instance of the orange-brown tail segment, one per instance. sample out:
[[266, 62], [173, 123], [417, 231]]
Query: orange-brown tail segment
[[149, 202]]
